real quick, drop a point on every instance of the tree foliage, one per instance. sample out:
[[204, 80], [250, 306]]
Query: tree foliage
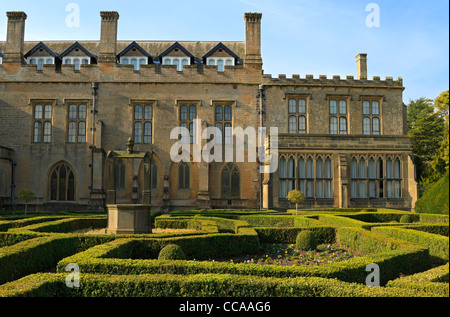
[[426, 126]]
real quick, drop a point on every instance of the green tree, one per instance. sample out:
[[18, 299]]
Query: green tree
[[296, 197], [427, 129], [26, 195]]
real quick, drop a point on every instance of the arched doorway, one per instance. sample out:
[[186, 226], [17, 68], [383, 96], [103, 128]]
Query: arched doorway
[[62, 183]]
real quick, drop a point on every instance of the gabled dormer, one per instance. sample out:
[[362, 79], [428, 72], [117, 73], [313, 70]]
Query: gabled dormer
[[2, 55], [134, 55], [220, 56], [41, 55], [78, 55], [177, 55]]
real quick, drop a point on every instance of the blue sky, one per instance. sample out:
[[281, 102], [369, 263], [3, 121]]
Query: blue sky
[[318, 37]]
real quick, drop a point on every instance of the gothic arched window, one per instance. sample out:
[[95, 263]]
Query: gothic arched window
[[62, 183], [231, 181]]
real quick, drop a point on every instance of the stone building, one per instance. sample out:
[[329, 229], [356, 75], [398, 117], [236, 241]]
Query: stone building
[[64, 106]]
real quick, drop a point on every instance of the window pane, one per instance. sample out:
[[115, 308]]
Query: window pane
[[82, 112], [148, 133], [282, 172], [319, 168], [342, 125], [138, 133], [301, 168], [138, 112], [220, 65], [54, 186], [291, 168], [292, 124], [227, 113], [397, 169], [72, 131], [148, 112], [219, 133], [376, 126], [211, 62], [375, 108], [235, 184], [183, 113], [328, 192], [302, 106], [134, 63], [62, 183], [366, 126], [47, 132], [192, 136], [82, 132], [309, 168], [389, 169], [333, 125], [154, 170], [192, 113], [342, 107], [38, 112], [292, 106], [142, 61], [187, 175], [301, 124], [37, 132], [319, 189], [48, 112], [354, 169], [167, 61], [228, 133], [219, 113], [309, 189], [362, 189], [125, 61], [372, 170], [333, 107], [85, 61], [366, 107], [73, 112], [76, 62], [362, 169], [328, 168], [177, 62]]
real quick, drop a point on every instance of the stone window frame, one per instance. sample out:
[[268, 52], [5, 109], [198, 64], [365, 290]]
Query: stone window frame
[[297, 114], [56, 168], [338, 115], [77, 102], [170, 60], [372, 116], [44, 103], [143, 121], [226, 139], [179, 104], [234, 170], [307, 179], [381, 182]]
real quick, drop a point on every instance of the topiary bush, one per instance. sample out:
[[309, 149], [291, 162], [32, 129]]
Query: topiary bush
[[171, 252], [406, 219], [306, 240]]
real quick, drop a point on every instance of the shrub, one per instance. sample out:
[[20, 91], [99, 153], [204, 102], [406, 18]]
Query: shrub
[[306, 241], [435, 198], [406, 219], [171, 252]]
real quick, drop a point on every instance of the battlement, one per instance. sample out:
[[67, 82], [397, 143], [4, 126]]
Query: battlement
[[335, 80]]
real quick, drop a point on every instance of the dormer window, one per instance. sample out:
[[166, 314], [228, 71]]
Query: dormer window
[[1, 58], [77, 55], [176, 55], [220, 56], [41, 55], [134, 55]]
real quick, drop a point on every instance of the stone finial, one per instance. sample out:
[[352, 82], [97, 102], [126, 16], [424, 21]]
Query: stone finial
[[130, 145]]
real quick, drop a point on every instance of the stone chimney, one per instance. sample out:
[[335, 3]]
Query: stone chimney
[[15, 37], [361, 66], [253, 40], [108, 37]]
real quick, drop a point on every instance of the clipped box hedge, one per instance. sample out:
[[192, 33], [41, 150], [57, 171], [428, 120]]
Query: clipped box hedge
[[34, 255], [65, 225], [288, 235], [435, 281], [437, 245], [395, 257], [203, 285]]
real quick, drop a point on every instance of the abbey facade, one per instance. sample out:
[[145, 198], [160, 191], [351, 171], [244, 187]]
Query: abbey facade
[[65, 106]]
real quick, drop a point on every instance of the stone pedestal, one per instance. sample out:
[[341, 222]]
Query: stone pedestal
[[129, 219]]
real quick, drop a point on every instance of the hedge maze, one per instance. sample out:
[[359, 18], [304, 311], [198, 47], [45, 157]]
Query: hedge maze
[[37, 251]]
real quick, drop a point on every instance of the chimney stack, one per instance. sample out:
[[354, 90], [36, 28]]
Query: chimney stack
[[361, 65], [15, 37], [253, 40], [108, 37]]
